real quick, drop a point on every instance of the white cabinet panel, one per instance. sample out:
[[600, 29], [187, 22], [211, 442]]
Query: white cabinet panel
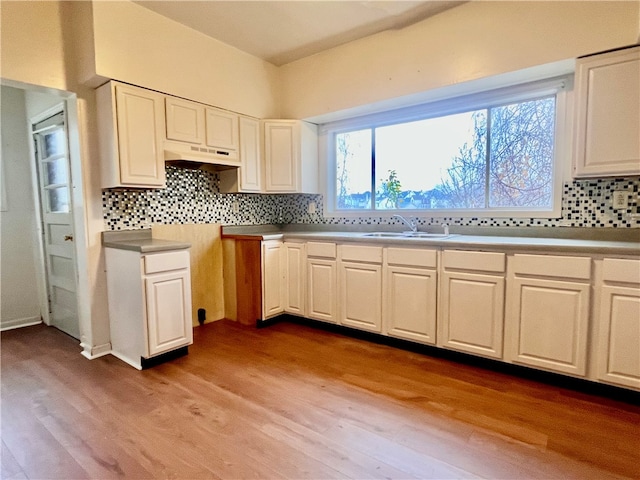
[[321, 289], [222, 129], [548, 323], [608, 114], [619, 336], [272, 278], [360, 286], [131, 131], [472, 313], [169, 311], [250, 158], [410, 303], [185, 120], [295, 275]]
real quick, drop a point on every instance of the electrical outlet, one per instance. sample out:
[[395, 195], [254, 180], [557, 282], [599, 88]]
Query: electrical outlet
[[235, 207], [312, 208], [620, 199]]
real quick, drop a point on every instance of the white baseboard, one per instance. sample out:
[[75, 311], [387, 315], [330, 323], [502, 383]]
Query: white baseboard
[[19, 323], [91, 351]]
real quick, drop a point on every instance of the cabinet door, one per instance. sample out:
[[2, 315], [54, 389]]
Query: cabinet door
[[222, 129], [321, 289], [472, 315], [251, 165], [272, 279], [282, 156], [618, 355], [140, 121], [608, 114], [548, 322], [185, 120], [168, 311], [360, 287], [410, 303], [295, 280]]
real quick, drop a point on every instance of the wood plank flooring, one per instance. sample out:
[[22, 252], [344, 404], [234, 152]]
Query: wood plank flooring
[[291, 401]]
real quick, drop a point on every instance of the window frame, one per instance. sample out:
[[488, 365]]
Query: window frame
[[559, 86]]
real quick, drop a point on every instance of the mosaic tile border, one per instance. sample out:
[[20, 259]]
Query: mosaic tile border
[[192, 196]]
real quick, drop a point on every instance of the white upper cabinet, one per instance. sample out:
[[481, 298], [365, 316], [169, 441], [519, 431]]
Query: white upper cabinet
[[131, 131], [185, 120], [608, 114], [207, 130], [222, 129], [291, 156], [247, 178]]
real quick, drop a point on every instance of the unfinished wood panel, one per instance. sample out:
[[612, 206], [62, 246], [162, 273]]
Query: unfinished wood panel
[[207, 290], [248, 281]]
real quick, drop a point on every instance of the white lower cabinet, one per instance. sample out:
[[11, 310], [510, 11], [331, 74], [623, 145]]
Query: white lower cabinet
[[548, 312], [360, 287], [149, 298], [322, 282], [295, 259], [618, 323], [273, 276], [471, 315], [410, 293]]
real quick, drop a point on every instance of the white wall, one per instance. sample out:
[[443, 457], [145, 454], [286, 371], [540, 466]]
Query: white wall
[[19, 294], [469, 42]]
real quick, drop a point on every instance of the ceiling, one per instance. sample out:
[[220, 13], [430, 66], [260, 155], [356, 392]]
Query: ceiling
[[283, 31]]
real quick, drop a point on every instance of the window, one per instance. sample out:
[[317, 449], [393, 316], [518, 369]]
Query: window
[[486, 154]]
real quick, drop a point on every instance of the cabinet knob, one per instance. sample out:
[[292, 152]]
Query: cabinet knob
[[68, 238]]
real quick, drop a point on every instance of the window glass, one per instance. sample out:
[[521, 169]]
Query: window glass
[[497, 157]]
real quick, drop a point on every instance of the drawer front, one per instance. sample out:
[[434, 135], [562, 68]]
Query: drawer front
[[321, 249], [164, 262], [412, 257], [357, 253], [619, 270], [553, 266], [478, 261]]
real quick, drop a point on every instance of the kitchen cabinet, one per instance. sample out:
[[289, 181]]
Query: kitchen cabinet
[[273, 275], [201, 131], [410, 294], [607, 117], [247, 178], [618, 322], [295, 278], [291, 156], [322, 283], [548, 312], [149, 297], [360, 287], [131, 126], [472, 293]]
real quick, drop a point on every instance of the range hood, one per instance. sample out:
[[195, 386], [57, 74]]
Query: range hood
[[194, 156]]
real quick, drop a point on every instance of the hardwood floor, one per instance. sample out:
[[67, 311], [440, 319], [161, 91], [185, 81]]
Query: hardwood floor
[[290, 401]]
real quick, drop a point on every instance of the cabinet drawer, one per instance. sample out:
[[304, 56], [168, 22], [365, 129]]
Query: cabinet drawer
[[619, 270], [163, 262], [411, 257], [480, 261], [321, 249], [357, 253], [553, 266]]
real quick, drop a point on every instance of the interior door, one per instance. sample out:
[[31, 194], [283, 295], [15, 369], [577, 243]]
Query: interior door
[[54, 181]]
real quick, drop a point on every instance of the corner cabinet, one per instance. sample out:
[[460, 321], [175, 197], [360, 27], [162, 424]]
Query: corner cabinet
[[131, 125], [291, 156], [149, 298], [607, 117], [618, 322]]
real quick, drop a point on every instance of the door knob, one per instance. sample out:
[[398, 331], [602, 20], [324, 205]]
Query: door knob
[[68, 238]]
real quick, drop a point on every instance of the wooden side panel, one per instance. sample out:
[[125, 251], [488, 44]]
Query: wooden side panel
[[248, 281], [206, 265]]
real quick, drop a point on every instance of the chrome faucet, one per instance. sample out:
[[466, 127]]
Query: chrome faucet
[[411, 223], [446, 228]]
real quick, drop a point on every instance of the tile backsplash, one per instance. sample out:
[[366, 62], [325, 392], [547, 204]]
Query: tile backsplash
[[192, 196]]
